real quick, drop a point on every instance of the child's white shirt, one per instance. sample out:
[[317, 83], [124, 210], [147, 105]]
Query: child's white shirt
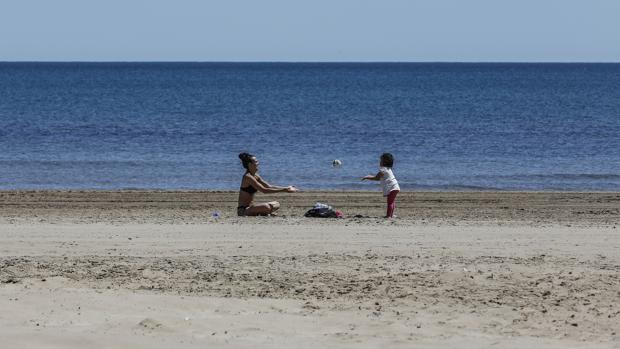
[[388, 181]]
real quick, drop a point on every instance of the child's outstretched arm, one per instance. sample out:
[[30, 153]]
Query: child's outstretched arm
[[376, 177]]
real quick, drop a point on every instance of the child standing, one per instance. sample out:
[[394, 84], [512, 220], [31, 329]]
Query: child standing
[[388, 182]]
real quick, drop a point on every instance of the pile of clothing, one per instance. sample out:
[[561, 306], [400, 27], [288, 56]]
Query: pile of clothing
[[321, 210]]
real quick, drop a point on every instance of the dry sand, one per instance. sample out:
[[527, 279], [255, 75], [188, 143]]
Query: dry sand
[[456, 270]]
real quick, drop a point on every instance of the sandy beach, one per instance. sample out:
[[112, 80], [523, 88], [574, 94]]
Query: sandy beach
[[157, 269]]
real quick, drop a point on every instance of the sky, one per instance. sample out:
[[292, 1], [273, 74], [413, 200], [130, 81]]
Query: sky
[[311, 30]]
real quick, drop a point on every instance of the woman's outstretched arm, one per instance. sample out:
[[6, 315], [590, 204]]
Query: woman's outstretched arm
[[269, 189], [267, 185]]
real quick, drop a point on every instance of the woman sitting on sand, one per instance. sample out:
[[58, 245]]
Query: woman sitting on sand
[[250, 184]]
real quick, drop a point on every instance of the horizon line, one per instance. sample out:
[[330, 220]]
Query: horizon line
[[314, 62]]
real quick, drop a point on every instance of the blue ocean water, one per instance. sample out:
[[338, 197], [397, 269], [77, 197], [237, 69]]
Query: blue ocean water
[[181, 125]]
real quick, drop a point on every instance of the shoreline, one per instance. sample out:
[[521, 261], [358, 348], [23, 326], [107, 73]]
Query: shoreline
[[199, 190], [195, 207]]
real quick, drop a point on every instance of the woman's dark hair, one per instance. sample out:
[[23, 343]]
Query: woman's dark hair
[[246, 158], [387, 160]]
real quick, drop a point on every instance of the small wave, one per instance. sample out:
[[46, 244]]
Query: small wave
[[578, 176], [566, 176], [453, 187]]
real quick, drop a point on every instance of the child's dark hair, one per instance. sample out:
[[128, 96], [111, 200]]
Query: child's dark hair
[[246, 158], [387, 160]]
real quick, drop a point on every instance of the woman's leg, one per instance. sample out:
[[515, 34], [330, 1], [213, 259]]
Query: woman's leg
[[391, 203], [262, 209]]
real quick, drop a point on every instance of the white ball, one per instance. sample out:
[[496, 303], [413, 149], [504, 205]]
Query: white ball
[[336, 163]]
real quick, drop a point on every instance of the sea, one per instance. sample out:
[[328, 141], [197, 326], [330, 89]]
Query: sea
[[181, 126]]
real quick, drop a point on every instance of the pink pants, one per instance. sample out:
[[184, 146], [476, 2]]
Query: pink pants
[[391, 203]]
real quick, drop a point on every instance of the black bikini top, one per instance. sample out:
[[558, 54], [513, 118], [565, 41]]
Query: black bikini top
[[249, 189]]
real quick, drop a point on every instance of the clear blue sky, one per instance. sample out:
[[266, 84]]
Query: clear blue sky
[[311, 30]]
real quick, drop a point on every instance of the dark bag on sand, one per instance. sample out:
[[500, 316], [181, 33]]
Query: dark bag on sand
[[321, 212]]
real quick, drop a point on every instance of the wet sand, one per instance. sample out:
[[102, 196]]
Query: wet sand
[[157, 269], [412, 207]]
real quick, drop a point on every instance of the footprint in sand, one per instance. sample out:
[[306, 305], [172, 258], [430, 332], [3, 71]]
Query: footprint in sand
[[151, 325]]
